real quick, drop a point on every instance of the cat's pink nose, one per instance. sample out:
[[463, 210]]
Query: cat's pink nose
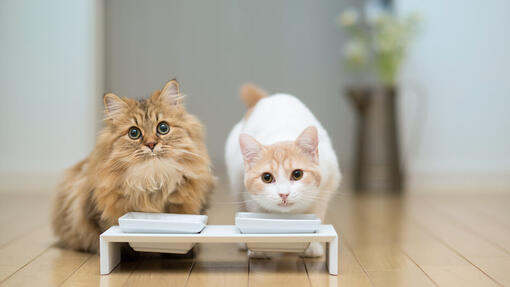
[[151, 145], [283, 196]]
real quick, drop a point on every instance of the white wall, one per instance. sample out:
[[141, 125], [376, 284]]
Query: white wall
[[460, 65], [51, 55], [50, 80], [213, 47]]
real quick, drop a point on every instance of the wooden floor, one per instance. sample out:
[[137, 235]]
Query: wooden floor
[[422, 239]]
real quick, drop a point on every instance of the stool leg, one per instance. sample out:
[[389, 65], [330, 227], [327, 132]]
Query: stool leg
[[109, 255], [332, 256]]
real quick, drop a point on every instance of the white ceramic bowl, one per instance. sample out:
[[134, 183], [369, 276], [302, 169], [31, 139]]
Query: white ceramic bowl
[[267, 223], [141, 222], [251, 222], [162, 247], [292, 247]]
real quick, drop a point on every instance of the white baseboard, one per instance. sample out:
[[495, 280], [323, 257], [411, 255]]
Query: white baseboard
[[458, 182]]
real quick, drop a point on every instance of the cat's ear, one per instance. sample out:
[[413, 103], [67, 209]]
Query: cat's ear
[[113, 106], [170, 93], [250, 148], [308, 141]]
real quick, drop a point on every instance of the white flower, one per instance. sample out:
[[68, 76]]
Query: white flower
[[356, 53], [415, 18], [348, 18]]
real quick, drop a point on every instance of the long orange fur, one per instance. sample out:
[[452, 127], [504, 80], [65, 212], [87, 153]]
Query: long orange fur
[[119, 177]]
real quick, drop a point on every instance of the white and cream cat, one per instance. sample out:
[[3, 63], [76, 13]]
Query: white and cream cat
[[282, 156]]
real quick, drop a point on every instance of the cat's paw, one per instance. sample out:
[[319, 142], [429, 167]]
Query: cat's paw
[[258, 255], [242, 246], [314, 250]]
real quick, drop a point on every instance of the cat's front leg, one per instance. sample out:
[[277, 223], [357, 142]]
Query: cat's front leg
[[314, 250], [191, 196]]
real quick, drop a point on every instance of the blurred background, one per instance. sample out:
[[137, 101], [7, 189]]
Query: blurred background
[[58, 58]]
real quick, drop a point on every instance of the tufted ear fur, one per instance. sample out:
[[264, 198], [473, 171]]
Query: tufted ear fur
[[113, 106], [250, 148], [170, 93], [308, 142]]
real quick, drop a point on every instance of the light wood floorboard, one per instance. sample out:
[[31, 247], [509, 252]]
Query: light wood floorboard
[[422, 239]]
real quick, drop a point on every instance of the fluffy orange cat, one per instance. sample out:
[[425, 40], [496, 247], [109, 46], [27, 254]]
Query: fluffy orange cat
[[149, 157]]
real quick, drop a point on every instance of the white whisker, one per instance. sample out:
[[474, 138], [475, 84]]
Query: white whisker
[[232, 202], [189, 152]]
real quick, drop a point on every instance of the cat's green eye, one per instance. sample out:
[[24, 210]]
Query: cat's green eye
[[267, 177], [134, 133], [297, 174], [163, 128]]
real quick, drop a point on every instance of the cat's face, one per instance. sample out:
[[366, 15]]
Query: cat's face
[[149, 139], [282, 177]]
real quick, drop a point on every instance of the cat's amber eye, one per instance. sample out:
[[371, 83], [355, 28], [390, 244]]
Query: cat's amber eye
[[297, 174], [163, 128], [134, 133], [267, 177]]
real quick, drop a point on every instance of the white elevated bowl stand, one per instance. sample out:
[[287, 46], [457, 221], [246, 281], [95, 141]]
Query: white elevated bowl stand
[[111, 240]]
